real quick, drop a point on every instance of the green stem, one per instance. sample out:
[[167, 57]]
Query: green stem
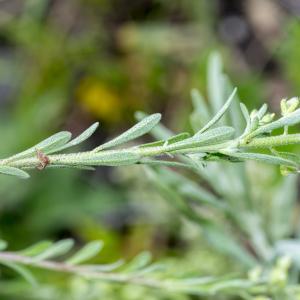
[[272, 141], [135, 155]]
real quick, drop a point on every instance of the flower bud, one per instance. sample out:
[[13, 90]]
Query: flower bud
[[267, 118], [292, 104], [289, 106], [283, 106]]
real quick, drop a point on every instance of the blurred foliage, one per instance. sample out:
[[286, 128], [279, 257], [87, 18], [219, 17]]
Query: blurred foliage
[[66, 63]]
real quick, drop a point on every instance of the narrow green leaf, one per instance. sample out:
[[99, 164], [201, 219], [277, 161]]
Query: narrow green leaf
[[57, 249], [152, 144], [219, 114], [106, 267], [160, 132], [210, 137], [87, 252], [177, 138], [81, 138], [174, 139], [47, 146], [153, 268], [235, 115], [262, 111], [138, 262], [241, 284], [226, 242], [36, 249], [289, 120], [287, 155], [134, 132], [153, 162], [245, 112], [21, 270], [215, 81], [266, 158], [14, 172]]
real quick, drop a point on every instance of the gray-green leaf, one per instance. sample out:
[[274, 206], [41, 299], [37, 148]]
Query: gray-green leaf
[[210, 137], [81, 138], [14, 172], [47, 146], [87, 252], [37, 248], [57, 249], [266, 158], [219, 114], [134, 132]]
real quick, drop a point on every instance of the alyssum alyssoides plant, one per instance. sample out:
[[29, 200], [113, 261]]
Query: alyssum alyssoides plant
[[208, 144]]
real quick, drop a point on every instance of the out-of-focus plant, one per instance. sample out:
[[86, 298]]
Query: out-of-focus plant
[[229, 215]]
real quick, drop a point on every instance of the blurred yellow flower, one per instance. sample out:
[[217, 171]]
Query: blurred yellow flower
[[99, 100]]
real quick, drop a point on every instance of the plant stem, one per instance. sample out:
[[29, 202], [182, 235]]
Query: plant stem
[[170, 285], [272, 141], [134, 155]]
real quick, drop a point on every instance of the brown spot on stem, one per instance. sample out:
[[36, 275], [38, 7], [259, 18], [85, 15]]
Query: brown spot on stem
[[44, 160]]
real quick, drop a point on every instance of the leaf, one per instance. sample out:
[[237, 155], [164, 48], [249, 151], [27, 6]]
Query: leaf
[[177, 138], [159, 132], [245, 113], [189, 189], [289, 120], [235, 114], [21, 270], [14, 172], [105, 268], [47, 146], [174, 139], [210, 137], [134, 132], [226, 242], [153, 268], [266, 158], [215, 81], [219, 114], [152, 144], [139, 262], [287, 155], [166, 163], [262, 111], [81, 138], [57, 249], [241, 284], [89, 251], [37, 248], [282, 208], [200, 195]]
